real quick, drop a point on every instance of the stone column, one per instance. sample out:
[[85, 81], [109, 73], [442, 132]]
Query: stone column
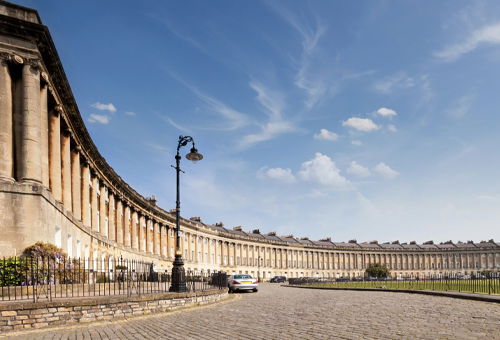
[[55, 153], [156, 239], [76, 183], [103, 214], [66, 169], [6, 122], [44, 131], [29, 163], [127, 223], [112, 217], [119, 222], [149, 236], [164, 240], [93, 204], [134, 233], [85, 191], [170, 241], [142, 236]]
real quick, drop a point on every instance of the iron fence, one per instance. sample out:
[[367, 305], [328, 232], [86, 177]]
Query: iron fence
[[45, 278], [487, 283]]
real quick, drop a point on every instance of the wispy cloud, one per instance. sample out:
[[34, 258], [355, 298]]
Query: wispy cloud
[[307, 78], [361, 124], [101, 119], [487, 35], [177, 126], [158, 147], [130, 113], [104, 107], [324, 134], [273, 104], [233, 118], [461, 107], [356, 142], [394, 82]]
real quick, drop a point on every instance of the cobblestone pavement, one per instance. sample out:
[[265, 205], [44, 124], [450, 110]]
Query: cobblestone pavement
[[277, 312]]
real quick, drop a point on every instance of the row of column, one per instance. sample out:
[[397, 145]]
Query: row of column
[[199, 249], [36, 145]]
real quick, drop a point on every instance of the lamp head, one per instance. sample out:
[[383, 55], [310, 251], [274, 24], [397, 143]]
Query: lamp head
[[194, 155]]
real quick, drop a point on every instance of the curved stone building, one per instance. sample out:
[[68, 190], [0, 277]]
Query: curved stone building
[[56, 187]]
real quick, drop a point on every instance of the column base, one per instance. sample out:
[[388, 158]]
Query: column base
[[178, 276], [7, 179]]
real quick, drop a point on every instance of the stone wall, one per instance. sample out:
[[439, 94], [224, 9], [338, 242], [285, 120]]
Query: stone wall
[[27, 315]]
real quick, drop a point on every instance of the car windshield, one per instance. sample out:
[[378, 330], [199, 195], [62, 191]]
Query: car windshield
[[242, 277]]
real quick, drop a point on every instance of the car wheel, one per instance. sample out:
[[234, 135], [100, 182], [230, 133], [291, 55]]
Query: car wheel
[[255, 290]]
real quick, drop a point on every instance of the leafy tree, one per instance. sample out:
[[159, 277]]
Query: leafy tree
[[45, 250], [377, 270]]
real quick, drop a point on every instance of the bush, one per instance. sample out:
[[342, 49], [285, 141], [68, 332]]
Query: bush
[[44, 250], [13, 271]]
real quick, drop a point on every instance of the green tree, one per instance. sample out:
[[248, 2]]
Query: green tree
[[377, 270]]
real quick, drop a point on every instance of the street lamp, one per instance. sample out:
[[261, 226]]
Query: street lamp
[[178, 273]]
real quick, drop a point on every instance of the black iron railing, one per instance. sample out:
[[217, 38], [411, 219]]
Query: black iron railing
[[488, 283], [45, 278]]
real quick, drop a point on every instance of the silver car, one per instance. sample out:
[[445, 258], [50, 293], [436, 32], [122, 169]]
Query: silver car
[[242, 282]]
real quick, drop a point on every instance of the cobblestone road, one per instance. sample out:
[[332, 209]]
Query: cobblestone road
[[289, 313]]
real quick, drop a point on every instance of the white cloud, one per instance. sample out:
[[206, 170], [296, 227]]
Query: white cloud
[[392, 128], [356, 142], [385, 171], [361, 124], [104, 107], [130, 113], [102, 119], [482, 36], [322, 169], [358, 170], [385, 112], [324, 134], [279, 174], [397, 81]]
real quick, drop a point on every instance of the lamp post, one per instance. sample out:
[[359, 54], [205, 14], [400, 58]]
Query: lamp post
[[178, 273]]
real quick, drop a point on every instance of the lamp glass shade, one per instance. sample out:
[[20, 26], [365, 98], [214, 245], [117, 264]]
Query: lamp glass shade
[[194, 155]]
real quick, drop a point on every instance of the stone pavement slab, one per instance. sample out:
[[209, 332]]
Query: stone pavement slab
[[277, 312]]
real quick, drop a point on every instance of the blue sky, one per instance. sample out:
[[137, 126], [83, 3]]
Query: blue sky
[[373, 120]]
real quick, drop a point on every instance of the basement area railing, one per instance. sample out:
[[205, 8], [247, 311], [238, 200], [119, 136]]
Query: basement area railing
[[46, 279]]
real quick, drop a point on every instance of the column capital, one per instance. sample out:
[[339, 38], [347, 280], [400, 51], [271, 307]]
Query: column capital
[[34, 63], [7, 57]]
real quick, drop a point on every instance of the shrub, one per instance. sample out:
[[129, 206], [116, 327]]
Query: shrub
[[12, 271], [44, 250]]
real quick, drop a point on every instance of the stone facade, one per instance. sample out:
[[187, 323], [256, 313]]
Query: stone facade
[[56, 187]]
